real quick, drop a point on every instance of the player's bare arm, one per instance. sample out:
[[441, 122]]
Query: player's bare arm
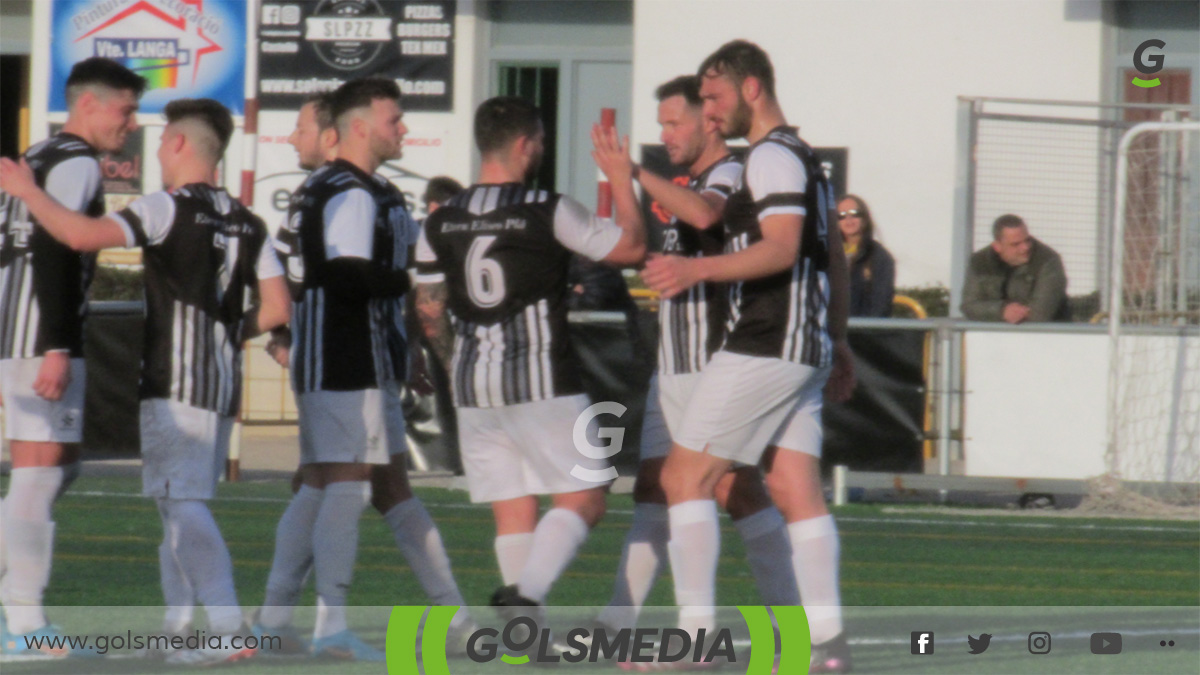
[[431, 308], [777, 250], [698, 210], [841, 380], [274, 308], [54, 375], [76, 230], [611, 155]]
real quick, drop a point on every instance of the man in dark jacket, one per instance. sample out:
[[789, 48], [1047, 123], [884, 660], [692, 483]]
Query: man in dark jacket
[[1016, 279]]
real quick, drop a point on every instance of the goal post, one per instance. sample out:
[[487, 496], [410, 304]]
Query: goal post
[[1153, 453]]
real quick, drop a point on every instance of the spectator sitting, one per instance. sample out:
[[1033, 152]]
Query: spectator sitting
[[1016, 279], [438, 191], [872, 268]]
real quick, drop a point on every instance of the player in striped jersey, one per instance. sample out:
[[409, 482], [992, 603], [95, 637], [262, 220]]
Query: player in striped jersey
[[343, 245], [315, 140], [492, 295], [691, 328], [786, 342], [43, 288], [204, 254]]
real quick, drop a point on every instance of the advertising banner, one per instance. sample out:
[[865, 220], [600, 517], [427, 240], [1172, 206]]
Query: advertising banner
[[184, 48], [315, 45]]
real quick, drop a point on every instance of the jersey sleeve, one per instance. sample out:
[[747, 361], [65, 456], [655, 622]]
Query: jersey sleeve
[[584, 233], [428, 270], [75, 182], [350, 225], [148, 220], [268, 264], [723, 179], [777, 181]]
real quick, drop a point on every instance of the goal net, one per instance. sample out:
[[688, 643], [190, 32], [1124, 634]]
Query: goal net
[[1153, 456]]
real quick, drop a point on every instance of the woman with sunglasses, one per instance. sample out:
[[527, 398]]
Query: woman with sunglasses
[[872, 268]]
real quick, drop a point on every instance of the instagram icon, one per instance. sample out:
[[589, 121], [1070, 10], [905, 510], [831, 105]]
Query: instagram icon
[[1039, 643]]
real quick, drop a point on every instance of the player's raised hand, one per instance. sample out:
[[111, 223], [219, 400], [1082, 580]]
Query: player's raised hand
[[53, 376], [841, 380], [670, 275], [16, 179], [611, 153]]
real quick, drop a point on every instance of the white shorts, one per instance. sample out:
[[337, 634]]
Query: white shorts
[[743, 403], [666, 402], [29, 417], [364, 426], [529, 449], [183, 449]]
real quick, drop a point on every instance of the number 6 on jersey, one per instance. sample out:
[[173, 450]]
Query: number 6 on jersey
[[485, 277]]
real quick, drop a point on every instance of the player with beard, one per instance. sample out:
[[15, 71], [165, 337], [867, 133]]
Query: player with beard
[[492, 295], [43, 289], [315, 140], [344, 251], [786, 343], [691, 328]]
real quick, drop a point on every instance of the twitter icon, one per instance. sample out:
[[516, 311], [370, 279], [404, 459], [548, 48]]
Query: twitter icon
[[979, 644]]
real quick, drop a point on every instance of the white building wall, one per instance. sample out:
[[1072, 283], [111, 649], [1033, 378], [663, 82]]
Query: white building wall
[[882, 78]]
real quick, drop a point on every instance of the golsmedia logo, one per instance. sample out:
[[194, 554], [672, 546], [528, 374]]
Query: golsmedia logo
[[1148, 65], [413, 644]]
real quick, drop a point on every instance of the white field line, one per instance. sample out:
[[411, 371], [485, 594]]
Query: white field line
[[841, 519]]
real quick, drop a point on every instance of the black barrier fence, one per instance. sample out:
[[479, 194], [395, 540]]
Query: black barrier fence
[[879, 429]]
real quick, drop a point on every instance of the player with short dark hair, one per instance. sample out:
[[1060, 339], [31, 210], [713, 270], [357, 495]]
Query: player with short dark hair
[[786, 343], [417, 537], [43, 304], [438, 191], [204, 253], [691, 328], [492, 296], [344, 242]]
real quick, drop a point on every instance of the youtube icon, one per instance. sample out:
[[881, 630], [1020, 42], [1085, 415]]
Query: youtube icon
[[1106, 643]]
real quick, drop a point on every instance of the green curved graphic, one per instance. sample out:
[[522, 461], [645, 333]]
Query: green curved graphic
[[433, 640], [794, 638], [401, 643], [513, 660], [762, 639], [1146, 84]]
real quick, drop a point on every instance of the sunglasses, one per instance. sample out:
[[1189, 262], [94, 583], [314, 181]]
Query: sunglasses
[[852, 213]]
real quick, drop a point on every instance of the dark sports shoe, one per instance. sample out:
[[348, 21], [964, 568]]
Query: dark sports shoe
[[832, 656], [509, 596]]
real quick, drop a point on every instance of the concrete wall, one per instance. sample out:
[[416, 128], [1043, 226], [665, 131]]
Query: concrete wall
[[882, 78]]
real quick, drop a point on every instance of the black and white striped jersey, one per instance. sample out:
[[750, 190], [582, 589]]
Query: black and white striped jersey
[[503, 253], [43, 284], [691, 326], [784, 315], [203, 254], [344, 335]]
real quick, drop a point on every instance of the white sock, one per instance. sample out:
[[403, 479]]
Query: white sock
[[30, 544], [32, 491], [335, 548], [815, 552], [512, 551], [293, 557], [421, 543], [694, 549], [769, 552], [30, 549], [200, 550], [178, 593], [643, 556], [556, 540]]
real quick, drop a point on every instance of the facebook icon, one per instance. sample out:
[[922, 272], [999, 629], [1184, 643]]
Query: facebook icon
[[922, 642]]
